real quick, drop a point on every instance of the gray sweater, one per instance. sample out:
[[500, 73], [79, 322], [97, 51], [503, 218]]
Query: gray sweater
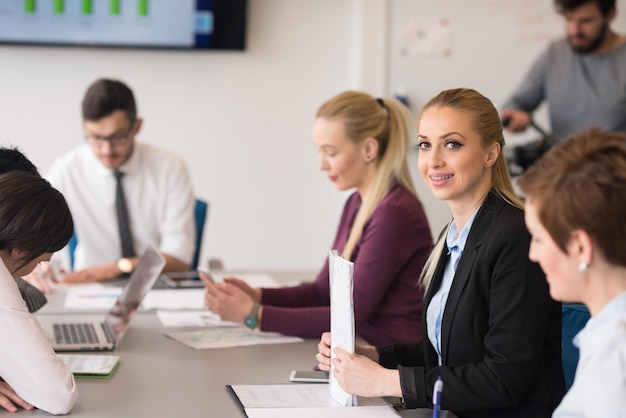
[[581, 90]]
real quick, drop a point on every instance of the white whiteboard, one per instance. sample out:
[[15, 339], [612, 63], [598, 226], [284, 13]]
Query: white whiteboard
[[487, 45], [492, 43]]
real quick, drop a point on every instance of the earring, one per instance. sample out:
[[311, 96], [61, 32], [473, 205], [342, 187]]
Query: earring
[[368, 159], [583, 267]]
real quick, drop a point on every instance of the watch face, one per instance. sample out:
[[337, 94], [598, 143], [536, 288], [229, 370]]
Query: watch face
[[250, 322], [125, 265]]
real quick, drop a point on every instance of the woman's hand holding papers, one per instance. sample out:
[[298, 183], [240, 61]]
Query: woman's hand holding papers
[[323, 355], [358, 373], [8, 399]]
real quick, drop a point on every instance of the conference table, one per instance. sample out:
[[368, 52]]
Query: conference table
[[159, 377]]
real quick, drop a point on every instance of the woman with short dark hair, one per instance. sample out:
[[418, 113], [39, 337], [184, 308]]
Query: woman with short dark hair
[[34, 223]]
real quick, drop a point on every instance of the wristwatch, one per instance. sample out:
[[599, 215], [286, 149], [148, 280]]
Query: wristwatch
[[252, 320], [125, 265]]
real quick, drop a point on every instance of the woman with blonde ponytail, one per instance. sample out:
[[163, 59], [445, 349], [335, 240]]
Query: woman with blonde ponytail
[[491, 331], [363, 144]]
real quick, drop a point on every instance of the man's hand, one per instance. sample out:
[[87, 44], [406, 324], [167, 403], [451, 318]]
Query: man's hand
[[8, 399], [93, 274], [515, 120]]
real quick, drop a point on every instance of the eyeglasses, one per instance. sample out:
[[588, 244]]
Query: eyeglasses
[[114, 140]]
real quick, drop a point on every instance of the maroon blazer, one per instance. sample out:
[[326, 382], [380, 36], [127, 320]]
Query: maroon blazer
[[387, 259]]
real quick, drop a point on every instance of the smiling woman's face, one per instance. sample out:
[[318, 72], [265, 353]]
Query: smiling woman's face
[[452, 160]]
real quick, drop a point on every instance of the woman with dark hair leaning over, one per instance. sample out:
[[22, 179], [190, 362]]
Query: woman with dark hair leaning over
[[34, 222]]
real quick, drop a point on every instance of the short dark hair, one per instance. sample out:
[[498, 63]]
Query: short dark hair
[[12, 159], [105, 96], [581, 184], [563, 6], [34, 216]]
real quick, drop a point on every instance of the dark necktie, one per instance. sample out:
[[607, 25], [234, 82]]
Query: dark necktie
[[32, 296], [123, 222]]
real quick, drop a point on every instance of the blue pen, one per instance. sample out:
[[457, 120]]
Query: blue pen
[[437, 397]]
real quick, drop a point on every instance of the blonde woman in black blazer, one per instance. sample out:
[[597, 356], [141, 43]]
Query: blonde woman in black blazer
[[498, 348]]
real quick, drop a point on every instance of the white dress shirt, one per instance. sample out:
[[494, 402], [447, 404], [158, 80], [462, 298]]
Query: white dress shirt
[[599, 388], [27, 362], [159, 198]]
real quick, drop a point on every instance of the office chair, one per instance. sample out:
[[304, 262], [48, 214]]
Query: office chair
[[575, 316], [200, 213]]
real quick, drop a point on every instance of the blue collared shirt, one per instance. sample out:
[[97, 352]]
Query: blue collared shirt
[[455, 241]]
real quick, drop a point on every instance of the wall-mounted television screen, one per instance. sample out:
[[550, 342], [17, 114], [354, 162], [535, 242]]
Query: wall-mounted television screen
[[152, 24]]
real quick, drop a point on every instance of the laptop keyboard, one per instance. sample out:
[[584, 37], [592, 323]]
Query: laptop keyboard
[[75, 334]]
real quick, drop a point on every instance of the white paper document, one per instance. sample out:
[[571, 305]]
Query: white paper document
[[381, 411], [189, 318], [90, 364], [174, 299], [228, 337], [91, 296], [303, 400], [179, 299], [341, 317], [253, 279]]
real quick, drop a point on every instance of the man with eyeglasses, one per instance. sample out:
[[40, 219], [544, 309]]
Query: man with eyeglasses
[[123, 194]]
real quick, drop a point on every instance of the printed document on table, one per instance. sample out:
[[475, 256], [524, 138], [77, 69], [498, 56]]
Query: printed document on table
[[303, 400], [189, 318], [253, 279], [91, 296], [381, 411], [292, 395], [341, 317], [228, 337], [179, 299], [174, 299]]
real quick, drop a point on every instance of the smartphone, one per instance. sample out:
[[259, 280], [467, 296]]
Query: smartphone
[[207, 275], [311, 376], [182, 279]]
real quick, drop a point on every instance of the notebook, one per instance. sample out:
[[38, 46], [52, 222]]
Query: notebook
[[97, 366], [70, 333]]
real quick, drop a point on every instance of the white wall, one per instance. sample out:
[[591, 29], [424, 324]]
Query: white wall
[[242, 120], [492, 43]]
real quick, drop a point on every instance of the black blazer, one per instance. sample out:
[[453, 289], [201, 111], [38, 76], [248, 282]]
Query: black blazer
[[501, 331]]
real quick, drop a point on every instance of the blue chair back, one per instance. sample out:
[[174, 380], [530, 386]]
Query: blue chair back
[[71, 246], [200, 213], [575, 316]]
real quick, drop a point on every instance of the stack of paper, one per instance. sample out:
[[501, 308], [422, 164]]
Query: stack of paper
[[341, 317], [303, 400], [228, 337], [91, 365]]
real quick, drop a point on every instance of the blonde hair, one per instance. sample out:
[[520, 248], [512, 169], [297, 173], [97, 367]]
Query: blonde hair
[[391, 124], [486, 122]]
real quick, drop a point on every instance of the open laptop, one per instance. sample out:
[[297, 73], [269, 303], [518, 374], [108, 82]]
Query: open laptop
[[66, 333]]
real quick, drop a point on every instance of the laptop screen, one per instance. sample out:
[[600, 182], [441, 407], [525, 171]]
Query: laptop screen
[[138, 286]]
